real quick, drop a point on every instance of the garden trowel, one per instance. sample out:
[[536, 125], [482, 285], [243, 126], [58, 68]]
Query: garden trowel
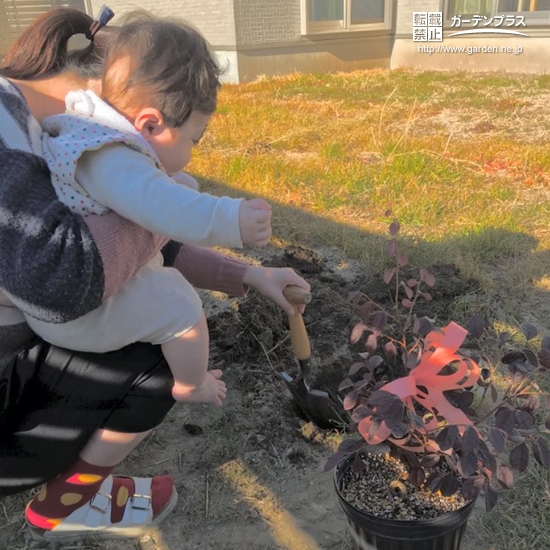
[[318, 405]]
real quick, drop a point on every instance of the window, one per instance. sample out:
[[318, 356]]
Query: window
[[328, 16], [533, 11]]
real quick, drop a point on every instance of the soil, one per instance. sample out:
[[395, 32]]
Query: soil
[[250, 474], [382, 490]]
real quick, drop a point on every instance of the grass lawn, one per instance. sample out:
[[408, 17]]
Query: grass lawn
[[460, 159]]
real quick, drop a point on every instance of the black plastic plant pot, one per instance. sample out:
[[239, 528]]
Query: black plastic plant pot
[[369, 532]]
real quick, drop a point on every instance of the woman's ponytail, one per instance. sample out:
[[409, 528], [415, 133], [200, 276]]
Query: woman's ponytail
[[42, 49]]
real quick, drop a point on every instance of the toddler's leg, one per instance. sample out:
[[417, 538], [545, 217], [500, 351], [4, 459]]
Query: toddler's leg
[[187, 357]]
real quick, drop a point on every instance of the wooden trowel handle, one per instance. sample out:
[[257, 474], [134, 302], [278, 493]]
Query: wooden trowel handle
[[296, 295], [298, 333]]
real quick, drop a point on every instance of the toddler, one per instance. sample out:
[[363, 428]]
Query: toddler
[[124, 151]]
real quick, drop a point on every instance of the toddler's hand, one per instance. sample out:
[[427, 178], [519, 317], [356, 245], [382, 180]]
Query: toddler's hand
[[212, 390], [255, 222]]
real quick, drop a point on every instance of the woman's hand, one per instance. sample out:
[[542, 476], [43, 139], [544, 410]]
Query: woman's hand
[[270, 281]]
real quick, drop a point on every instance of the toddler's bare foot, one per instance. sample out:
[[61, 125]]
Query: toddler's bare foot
[[212, 390]]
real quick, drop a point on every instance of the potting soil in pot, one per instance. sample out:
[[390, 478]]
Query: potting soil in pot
[[382, 490]]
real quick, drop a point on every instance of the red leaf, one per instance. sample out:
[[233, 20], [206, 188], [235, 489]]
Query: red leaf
[[427, 277], [519, 457], [390, 349], [350, 445], [434, 482], [361, 384], [525, 421], [379, 322], [542, 452], [384, 400], [447, 437], [449, 485], [475, 326], [410, 360], [427, 296], [544, 358], [470, 440], [531, 357], [416, 421], [358, 464], [497, 438], [505, 477], [472, 486], [345, 384], [402, 260], [531, 404], [372, 343], [365, 311], [360, 412], [356, 367], [430, 460], [505, 420], [357, 332], [388, 274], [406, 303], [375, 361], [432, 447], [529, 330], [417, 477], [333, 460], [394, 228], [349, 400], [468, 464]]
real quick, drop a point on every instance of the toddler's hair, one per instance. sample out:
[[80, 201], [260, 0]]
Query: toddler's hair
[[160, 63]]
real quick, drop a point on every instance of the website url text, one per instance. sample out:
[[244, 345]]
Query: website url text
[[470, 50]]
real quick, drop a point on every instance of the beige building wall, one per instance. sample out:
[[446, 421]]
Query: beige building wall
[[343, 54], [269, 42], [215, 19], [267, 22], [533, 59]]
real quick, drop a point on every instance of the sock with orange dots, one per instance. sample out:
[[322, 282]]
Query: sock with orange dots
[[64, 494], [77, 486]]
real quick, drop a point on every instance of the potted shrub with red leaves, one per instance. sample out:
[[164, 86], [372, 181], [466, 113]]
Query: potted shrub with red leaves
[[435, 430]]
